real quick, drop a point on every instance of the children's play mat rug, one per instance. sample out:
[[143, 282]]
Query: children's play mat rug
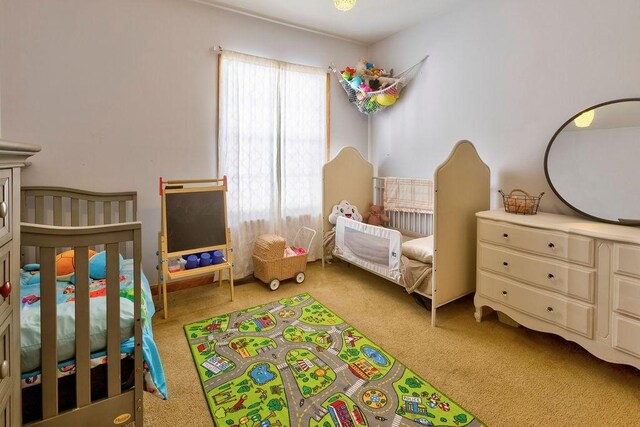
[[293, 362]]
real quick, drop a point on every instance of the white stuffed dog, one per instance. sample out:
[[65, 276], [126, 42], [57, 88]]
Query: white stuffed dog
[[344, 209]]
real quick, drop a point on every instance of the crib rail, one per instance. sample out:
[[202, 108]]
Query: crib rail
[[414, 222], [46, 240], [61, 206]]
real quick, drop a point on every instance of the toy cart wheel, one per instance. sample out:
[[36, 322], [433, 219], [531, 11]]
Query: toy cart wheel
[[300, 277], [274, 284]]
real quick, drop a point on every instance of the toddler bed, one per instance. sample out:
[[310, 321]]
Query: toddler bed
[[440, 267], [87, 348]]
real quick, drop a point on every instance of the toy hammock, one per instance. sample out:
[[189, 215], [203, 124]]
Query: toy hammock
[[372, 89]]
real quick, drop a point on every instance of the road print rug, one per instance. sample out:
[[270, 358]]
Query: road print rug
[[294, 362]]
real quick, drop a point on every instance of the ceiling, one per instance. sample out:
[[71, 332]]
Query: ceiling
[[368, 22]]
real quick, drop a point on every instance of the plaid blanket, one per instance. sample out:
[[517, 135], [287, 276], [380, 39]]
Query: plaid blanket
[[408, 195]]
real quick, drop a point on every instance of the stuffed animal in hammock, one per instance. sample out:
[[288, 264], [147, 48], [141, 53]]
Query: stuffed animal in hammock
[[344, 208]]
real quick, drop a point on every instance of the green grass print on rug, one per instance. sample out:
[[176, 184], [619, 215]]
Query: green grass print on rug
[[294, 362]]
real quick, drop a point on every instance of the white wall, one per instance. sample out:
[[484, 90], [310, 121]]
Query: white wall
[[119, 93], [505, 74]]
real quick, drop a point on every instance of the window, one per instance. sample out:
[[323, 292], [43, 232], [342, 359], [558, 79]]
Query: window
[[272, 144]]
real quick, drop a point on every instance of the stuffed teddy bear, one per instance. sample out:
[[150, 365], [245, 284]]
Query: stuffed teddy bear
[[344, 208], [375, 216]]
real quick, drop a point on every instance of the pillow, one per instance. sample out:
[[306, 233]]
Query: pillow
[[419, 249], [98, 265]]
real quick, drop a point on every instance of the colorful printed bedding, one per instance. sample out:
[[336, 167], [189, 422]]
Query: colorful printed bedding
[[30, 327]]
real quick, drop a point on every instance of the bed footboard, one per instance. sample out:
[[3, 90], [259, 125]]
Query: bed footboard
[[119, 407]]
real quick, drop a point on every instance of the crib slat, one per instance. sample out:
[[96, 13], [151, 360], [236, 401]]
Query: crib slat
[[113, 320], [122, 217], [91, 212], [39, 209], [75, 212], [122, 211], [137, 306], [57, 210], [48, 303], [107, 212], [23, 206], [83, 345]]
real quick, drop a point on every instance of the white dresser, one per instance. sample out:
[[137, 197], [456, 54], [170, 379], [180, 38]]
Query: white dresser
[[12, 158], [566, 275]]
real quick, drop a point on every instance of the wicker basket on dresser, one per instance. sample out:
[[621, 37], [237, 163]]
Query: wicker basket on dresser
[[570, 276], [12, 157]]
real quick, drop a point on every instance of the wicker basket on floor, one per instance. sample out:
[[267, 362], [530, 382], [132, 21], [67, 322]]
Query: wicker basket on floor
[[270, 265]]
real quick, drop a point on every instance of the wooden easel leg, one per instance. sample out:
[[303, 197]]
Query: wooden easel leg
[[160, 289], [231, 282], [165, 311]]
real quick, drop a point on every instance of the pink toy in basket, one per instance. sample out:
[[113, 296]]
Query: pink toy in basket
[[272, 262]]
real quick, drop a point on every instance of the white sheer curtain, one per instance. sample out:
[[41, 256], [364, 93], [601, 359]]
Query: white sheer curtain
[[272, 145]]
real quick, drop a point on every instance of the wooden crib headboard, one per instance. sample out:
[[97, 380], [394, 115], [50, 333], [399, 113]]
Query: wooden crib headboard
[[462, 185], [71, 207], [349, 177]]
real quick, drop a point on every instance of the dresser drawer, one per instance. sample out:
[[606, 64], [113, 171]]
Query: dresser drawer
[[553, 275], [5, 276], [626, 259], [5, 406], [555, 309], [5, 354], [626, 334], [626, 295], [553, 244], [5, 206]]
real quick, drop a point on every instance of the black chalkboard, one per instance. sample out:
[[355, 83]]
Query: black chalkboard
[[195, 219]]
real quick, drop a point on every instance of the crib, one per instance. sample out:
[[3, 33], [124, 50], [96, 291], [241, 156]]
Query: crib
[[55, 219]]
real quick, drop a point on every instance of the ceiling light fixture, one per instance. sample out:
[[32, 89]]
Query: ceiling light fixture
[[344, 5], [585, 119]]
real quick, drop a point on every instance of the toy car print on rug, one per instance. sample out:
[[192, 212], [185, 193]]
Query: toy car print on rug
[[294, 362]]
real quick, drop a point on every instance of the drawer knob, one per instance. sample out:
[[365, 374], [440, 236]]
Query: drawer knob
[[504, 293], [4, 369], [551, 276], [505, 235], [3, 210], [5, 290], [552, 246], [550, 309], [505, 263]]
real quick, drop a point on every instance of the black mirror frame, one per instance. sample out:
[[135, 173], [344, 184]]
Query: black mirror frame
[[546, 157]]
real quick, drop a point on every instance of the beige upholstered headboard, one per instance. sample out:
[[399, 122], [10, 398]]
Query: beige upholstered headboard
[[462, 185], [347, 177]]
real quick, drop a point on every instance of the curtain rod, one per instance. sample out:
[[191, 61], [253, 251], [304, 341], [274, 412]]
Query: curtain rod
[[218, 50]]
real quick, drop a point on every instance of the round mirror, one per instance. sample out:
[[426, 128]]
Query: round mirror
[[592, 162]]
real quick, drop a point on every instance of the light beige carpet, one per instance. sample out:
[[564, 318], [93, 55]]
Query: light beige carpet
[[503, 375]]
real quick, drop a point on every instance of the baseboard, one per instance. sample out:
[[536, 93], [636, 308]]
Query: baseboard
[[197, 281]]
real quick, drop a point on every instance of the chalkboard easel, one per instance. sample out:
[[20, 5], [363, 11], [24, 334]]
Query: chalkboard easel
[[194, 221]]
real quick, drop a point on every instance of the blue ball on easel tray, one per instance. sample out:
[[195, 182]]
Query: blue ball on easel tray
[[205, 259], [192, 262]]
